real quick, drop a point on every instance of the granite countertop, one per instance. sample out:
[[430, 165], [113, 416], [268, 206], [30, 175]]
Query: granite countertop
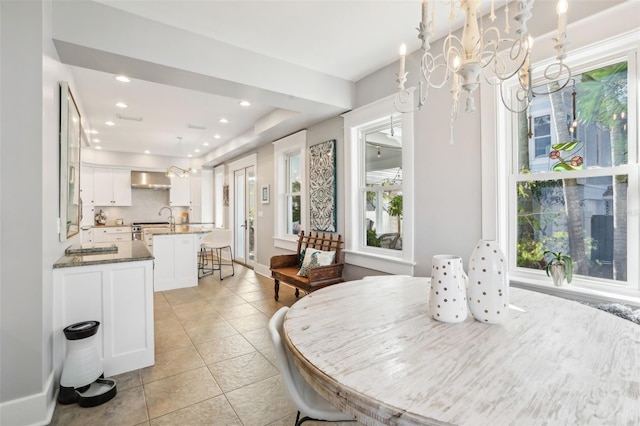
[[128, 251], [178, 229]]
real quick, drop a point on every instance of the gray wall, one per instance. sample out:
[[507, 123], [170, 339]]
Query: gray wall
[[29, 75]]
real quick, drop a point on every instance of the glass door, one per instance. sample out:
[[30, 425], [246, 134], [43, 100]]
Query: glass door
[[245, 210]]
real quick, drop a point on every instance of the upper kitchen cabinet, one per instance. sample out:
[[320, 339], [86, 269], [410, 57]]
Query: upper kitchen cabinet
[[86, 195], [180, 193], [111, 187]]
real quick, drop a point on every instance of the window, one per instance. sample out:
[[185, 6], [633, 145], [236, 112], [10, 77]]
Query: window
[[290, 201], [581, 196], [379, 200]]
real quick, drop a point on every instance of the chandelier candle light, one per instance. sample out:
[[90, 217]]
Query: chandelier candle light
[[483, 52]]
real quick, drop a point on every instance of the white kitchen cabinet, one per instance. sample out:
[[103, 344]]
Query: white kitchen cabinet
[[111, 187], [180, 192], [103, 234], [120, 296], [195, 205], [87, 236], [176, 263], [86, 195]]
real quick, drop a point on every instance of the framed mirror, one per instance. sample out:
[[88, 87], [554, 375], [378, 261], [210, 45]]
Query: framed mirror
[[70, 142]]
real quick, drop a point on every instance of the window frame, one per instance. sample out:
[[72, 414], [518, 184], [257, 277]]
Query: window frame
[[356, 123], [283, 148], [499, 176]]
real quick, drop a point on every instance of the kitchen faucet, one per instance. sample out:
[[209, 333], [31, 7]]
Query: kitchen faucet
[[171, 218]]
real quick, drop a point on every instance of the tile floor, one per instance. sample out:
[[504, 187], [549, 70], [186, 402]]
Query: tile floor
[[214, 362]]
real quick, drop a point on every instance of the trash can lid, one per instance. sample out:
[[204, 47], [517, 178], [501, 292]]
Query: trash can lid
[[81, 330]]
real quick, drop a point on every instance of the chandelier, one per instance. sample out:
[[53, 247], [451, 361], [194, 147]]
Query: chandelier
[[174, 171], [483, 53]]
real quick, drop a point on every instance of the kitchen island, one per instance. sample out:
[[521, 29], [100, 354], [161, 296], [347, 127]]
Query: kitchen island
[[115, 288], [176, 252]]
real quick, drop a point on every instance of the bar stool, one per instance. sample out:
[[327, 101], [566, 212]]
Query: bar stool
[[217, 240]]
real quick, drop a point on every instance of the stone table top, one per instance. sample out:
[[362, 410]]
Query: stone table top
[[128, 251], [372, 349], [178, 229]]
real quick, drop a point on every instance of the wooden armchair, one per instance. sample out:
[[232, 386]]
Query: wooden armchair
[[285, 267]]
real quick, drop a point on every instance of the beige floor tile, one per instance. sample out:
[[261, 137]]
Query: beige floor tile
[[270, 306], [236, 311], [128, 380], [215, 411], [181, 296], [192, 310], [258, 338], [172, 363], [144, 423], [252, 296], [247, 287], [241, 371], [126, 408], [180, 391], [222, 349], [210, 331], [163, 311], [170, 340], [269, 353], [166, 324], [197, 319], [227, 301], [250, 322], [262, 402]]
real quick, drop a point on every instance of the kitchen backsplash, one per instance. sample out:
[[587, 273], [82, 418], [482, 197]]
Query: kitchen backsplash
[[145, 205]]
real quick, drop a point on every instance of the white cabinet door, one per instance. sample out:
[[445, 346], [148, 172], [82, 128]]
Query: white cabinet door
[[111, 187], [120, 296], [180, 192], [176, 263], [121, 187], [195, 208], [102, 186], [86, 186]]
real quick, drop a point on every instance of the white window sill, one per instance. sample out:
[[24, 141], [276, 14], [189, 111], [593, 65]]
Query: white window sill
[[286, 243], [378, 262], [577, 291]]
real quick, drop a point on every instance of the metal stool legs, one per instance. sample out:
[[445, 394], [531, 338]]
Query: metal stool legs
[[207, 253]]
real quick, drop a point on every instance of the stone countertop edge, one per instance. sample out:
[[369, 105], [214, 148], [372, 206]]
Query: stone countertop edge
[[138, 252], [178, 230]]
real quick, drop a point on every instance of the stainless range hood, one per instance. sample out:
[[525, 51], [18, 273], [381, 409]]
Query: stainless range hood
[[150, 180]]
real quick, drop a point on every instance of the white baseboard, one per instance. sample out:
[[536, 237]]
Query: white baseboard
[[32, 410], [262, 270]]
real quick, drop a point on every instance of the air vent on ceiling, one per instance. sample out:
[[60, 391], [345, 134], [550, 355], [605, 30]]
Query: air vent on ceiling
[[128, 117], [193, 126]]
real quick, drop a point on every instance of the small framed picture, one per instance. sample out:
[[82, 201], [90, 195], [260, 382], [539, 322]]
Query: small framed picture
[[264, 194]]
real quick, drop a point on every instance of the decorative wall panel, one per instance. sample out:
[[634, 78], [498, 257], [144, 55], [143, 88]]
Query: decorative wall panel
[[322, 186]]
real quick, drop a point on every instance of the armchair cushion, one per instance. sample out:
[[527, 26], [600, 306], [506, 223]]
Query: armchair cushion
[[317, 258]]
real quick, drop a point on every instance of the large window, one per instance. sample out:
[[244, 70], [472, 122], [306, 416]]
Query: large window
[[571, 178], [379, 188], [291, 214]]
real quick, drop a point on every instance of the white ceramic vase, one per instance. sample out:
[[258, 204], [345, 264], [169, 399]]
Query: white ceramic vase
[[448, 296], [488, 283], [558, 273]]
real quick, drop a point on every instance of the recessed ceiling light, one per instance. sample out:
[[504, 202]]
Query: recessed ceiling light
[[122, 78], [189, 155], [245, 103], [96, 140], [216, 136], [98, 147], [121, 105], [197, 150], [146, 151], [93, 132], [206, 144], [109, 123], [223, 120]]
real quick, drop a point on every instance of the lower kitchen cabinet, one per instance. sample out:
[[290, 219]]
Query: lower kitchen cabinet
[[176, 264], [120, 296]]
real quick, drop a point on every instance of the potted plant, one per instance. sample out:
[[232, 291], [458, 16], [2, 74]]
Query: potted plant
[[559, 267]]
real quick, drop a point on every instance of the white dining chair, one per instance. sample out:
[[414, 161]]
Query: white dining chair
[[304, 397], [212, 243]]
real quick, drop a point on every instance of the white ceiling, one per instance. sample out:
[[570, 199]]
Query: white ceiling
[[295, 61], [343, 39]]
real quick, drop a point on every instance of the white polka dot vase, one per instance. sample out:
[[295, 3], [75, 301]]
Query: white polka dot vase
[[448, 296], [488, 290]]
